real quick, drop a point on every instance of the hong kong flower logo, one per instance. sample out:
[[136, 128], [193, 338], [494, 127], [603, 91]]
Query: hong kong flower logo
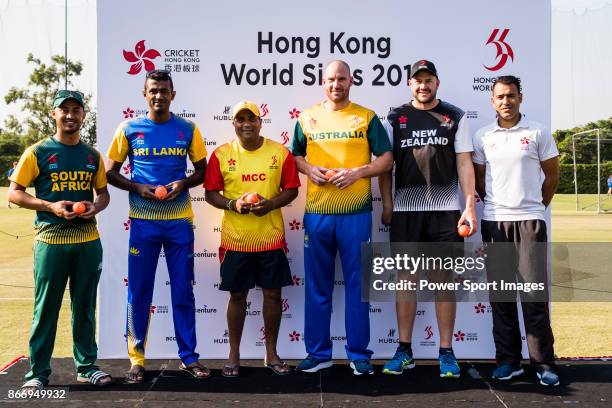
[[262, 330], [403, 120], [525, 141], [231, 162], [477, 198], [294, 113], [126, 224], [294, 336], [127, 168], [125, 281], [128, 113], [294, 225], [459, 336], [141, 56], [479, 308], [296, 280], [152, 309]]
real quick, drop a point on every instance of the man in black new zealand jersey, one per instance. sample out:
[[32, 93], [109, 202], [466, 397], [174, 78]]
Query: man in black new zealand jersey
[[432, 153]]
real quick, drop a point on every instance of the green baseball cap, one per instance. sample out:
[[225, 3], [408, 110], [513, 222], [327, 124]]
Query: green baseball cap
[[64, 94]]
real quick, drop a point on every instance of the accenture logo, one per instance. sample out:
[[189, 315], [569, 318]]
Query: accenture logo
[[141, 57]]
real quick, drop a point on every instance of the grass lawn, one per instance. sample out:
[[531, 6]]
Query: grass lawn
[[581, 329]]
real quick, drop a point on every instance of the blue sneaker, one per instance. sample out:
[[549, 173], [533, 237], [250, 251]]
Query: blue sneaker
[[548, 377], [311, 365], [448, 366], [401, 361], [507, 371], [362, 366]]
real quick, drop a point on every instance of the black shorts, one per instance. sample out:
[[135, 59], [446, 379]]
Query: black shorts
[[243, 270], [425, 226]]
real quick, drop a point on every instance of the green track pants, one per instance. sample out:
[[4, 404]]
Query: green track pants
[[54, 265]]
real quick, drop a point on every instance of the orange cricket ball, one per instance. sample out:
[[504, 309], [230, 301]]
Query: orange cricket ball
[[463, 231], [161, 192], [330, 173], [79, 208], [252, 198]]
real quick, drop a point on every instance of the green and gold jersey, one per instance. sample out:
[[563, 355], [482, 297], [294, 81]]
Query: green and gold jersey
[[339, 139], [62, 172]]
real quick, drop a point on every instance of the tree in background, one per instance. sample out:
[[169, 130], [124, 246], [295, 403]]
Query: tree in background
[[586, 148], [586, 158], [36, 99]]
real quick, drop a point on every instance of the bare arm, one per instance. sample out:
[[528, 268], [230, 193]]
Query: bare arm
[[100, 203], [465, 169], [550, 168], [480, 173], [316, 174], [282, 199], [384, 184], [116, 179]]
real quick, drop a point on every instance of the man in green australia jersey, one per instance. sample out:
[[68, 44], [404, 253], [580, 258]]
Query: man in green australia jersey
[[65, 173]]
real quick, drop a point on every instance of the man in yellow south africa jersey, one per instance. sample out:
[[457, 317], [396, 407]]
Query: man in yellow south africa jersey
[[257, 176], [64, 171], [158, 146], [337, 135]]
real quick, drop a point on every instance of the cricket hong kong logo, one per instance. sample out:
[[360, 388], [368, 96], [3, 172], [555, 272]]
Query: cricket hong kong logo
[[297, 281], [141, 57], [525, 143], [294, 113], [479, 308], [295, 225], [504, 51], [459, 336], [403, 120], [128, 113], [294, 336]]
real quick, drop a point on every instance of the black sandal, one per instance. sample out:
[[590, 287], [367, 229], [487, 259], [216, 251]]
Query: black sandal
[[196, 369], [135, 375]]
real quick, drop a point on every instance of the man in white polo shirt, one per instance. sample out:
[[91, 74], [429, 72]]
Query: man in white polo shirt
[[517, 172]]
